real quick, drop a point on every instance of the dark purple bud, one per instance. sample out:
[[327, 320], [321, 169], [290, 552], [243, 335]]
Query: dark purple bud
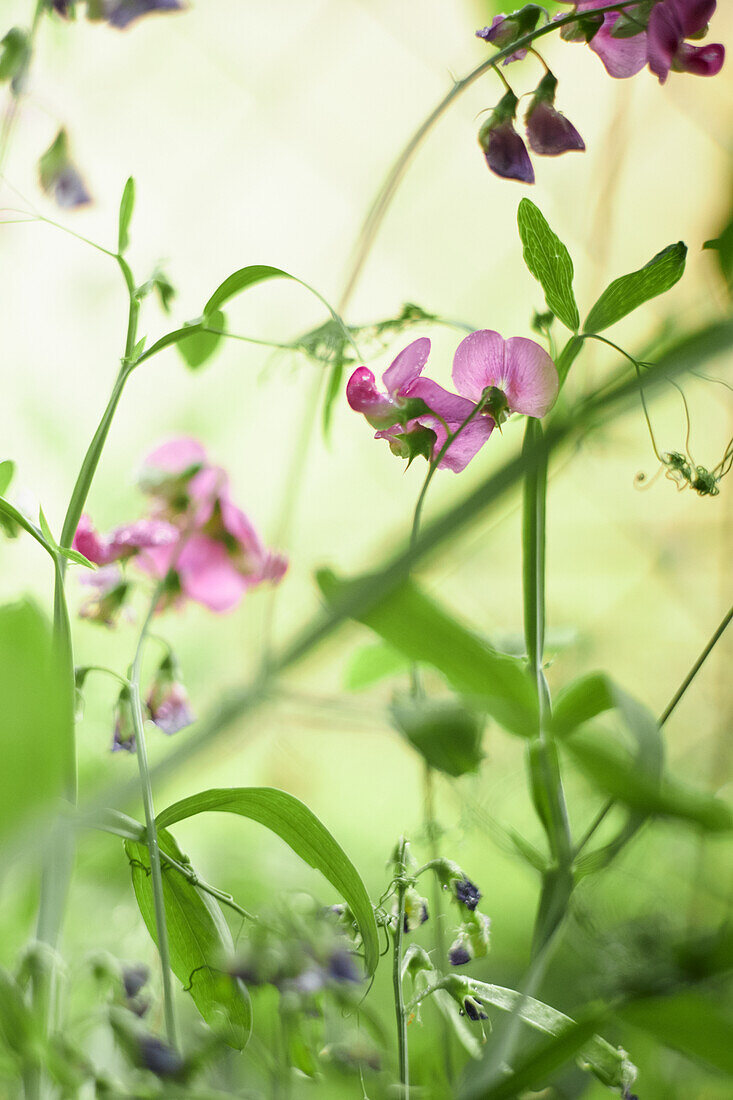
[[134, 978], [159, 1058], [550, 133], [474, 1009], [69, 189], [505, 152], [127, 11], [459, 954], [61, 6], [467, 893], [342, 968]]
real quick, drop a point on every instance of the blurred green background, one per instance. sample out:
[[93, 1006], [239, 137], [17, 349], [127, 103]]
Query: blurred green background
[[258, 133]]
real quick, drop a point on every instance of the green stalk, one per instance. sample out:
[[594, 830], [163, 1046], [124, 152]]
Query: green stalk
[[399, 999], [432, 830], [544, 772], [156, 875]]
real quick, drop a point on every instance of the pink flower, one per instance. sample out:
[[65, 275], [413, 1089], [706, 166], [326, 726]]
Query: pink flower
[[415, 415], [167, 702], [505, 376], [622, 57], [670, 23], [109, 591], [123, 542]]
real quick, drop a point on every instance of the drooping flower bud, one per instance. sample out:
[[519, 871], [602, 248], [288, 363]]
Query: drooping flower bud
[[506, 29], [167, 701], [59, 176], [504, 150], [550, 133], [460, 952], [416, 910], [126, 12], [123, 737], [467, 892]]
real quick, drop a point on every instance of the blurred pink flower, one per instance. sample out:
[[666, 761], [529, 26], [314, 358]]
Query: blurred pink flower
[[123, 542]]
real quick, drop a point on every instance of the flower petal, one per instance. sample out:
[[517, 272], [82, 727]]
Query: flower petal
[[407, 366], [531, 377], [464, 447], [364, 397], [449, 406], [176, 456], [478, 363], [209, 576]]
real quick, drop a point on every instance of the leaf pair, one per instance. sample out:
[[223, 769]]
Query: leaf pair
[[549, 261]]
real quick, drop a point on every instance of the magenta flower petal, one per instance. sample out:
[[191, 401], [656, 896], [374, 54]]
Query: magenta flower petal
[[465, 446], [550, 133], [406, 367], [693, 15], [364, 397], [141, 535], [208, 575], [665, 38], [176, 456], [700, 60], [90, 543], [532, 381], [448, 406], [478, 363], [506, 154], [622, 57]]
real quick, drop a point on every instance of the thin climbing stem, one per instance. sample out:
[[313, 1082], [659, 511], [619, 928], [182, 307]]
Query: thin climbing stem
[[432, 830], [399, 999], [150, 826]]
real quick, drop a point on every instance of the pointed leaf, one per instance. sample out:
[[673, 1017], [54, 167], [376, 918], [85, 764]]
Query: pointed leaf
[[198, 939], [7, 469], [630, 291], [198, 347], [294, 823], [549, 261], [127, 205]]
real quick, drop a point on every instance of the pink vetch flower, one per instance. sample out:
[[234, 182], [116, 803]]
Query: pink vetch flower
[[415, 415], [670, 23], [123, 542], [505, 376], [622, 57]]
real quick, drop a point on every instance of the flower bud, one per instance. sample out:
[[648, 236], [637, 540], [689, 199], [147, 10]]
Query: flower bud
[[167, 701], [506, 29], [460, 951], [416, 910], [504, 150], [59, 176], [467, 892], [124, 731], [549, 132]]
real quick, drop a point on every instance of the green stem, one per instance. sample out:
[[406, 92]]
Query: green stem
[[399, 1000], [544, 771], [386, 193], [432, 830], [150, 826]]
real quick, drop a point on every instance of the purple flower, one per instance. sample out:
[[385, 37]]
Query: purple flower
[[382, 409], [622, 57], [548, 131], [505, 376], [459, 953], [467, 892], [504, 150], [123, 737], [127, 11], [123, 542], [59, 175], [167, 701], [501, 33], [670, 23]]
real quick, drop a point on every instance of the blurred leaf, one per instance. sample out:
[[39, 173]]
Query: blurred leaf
[[630, 291], [373, 663], [549, 261], [17, 1025], [567, 356], [618, 775], [15, 50], [197, 348], [75, 556], [7, 470], [411, 622], [294, 823], [687, 1022], [446, 734], [36, 721], [13, 516], [127, 205], [723, 246], [333, 389], [199, 939]]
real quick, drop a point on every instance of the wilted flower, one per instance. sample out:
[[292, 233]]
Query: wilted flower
[[549, 132], [167, 702], [60, 177], [670, 23], [125, 12], [505, 376], [504, 150]]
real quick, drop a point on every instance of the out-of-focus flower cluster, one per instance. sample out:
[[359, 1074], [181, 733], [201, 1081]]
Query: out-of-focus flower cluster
[[194, 539], [653, 33], [494, 378], [118, 13]]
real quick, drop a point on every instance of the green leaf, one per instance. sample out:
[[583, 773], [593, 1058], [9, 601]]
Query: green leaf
[[198, 939], [630, 291], [613, 771], [303, 832], [373, 663], [446, 734], [197, 348], [241, 280], [45, 529], [7, 470], [549, 261], [36, 719], [76, 557], [608, 1063], [411, 622], [15, 50], [687, 1022], [127, 205], [567, 357]]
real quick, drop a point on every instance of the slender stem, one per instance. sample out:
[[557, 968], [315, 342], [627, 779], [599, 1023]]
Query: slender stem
[[386, 193], [432, 830], [152, 834], [399, 1000], [696, 667], [665, 715]]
